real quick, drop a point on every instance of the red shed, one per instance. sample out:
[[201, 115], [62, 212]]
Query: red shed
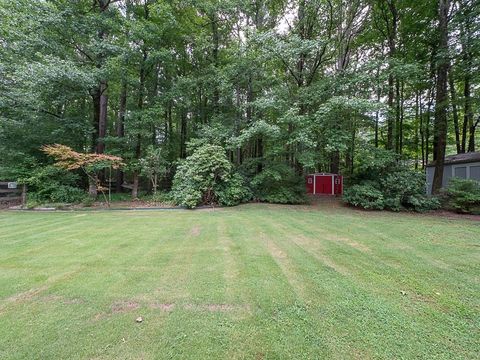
[[322, 183]]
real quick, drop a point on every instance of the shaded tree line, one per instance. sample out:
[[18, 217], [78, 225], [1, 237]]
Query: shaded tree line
[[301, 83]]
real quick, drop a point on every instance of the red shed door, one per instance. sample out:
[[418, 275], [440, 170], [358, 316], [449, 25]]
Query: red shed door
[[323, 184]]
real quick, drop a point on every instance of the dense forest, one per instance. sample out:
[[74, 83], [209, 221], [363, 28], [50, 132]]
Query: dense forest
[[278, 88]]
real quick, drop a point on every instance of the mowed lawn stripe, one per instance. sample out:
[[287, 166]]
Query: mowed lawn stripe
[[388, 283]]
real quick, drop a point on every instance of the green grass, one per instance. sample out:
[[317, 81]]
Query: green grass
[[256, 281]]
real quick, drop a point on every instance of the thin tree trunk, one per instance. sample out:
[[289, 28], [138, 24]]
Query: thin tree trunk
[[120, 130], [138, 146], [397, 116], [422, 133], [416, 130], [135, 186], [183, 134], [453, 98], [92, 186], [400, 135], [216, 45], [96, 118], [468, 117], [392, 37], [378, 90], [102, 123]]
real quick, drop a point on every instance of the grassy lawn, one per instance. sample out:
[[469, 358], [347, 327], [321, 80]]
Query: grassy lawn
[[256, 281]]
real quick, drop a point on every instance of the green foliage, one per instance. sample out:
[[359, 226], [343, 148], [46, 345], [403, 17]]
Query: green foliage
[[161, 197], [153, 165], [88, 201], [278, 183], [179, 75], [373, 163], [206, 177], [54, 185], [463, 195], [366, 196], [405, 189], [382, 181], [233, 191]]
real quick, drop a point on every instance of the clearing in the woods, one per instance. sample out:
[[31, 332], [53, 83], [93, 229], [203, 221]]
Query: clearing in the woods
[[256, 281]]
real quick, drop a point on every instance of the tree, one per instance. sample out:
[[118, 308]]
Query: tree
[[90, 163], [441, 125], [301, 85]]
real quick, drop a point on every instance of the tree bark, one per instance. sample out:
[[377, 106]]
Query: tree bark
[[102, 121], [138, 146], [392, 38], [120, 130], [453, 99], [183, 134], [441, 97]]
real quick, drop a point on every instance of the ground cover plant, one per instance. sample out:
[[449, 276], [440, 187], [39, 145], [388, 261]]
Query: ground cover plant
[[257, 281]]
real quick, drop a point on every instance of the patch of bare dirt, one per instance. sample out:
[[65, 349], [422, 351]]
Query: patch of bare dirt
[[99, 316], [26, 295], [124, 306], [61, 299], [349, 242], [164, 306], [215, 307], [195, 231], [275, 251]]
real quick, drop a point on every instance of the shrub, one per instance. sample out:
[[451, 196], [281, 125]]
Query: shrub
[[365, 196], [463, 195], [278, 183], [405, 189], [233, 191], [54, 185], [382, 181], [206, 177], [88, 201]]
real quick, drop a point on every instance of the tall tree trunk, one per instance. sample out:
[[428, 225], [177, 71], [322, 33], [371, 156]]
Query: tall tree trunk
[[96, 117], [468, 117], [422, 132], [183, 134], [102, 121], [417, 140], [215, 49], [378, 91], [466, 34], [453, 99], [427, 128], [467, 113], [441, 102], [397, 116], [238, 120], [138, 146], [401, 116], [392, 38], [120, 129]]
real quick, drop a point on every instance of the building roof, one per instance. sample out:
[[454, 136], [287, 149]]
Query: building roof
[[460, 159]]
